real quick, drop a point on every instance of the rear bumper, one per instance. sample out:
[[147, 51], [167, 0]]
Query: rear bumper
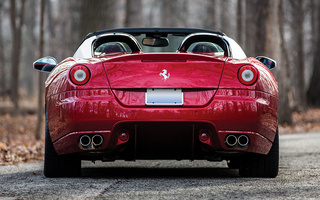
[[162, 132]]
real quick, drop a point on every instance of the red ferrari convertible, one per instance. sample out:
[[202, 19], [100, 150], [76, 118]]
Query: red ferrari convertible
[[160, 93]]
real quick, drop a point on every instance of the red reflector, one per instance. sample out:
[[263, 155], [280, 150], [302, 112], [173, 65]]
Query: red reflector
[[204, 137], [124, 136]]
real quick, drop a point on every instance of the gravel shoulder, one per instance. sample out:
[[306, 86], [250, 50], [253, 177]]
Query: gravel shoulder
[[299, 178]]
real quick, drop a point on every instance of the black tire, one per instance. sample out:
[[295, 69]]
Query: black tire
[[256, 165], [59, 165]]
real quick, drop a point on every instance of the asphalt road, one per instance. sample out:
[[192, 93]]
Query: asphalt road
[[299, 178]]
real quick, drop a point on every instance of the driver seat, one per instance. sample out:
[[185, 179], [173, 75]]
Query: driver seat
[[204, 47], [113, 47]]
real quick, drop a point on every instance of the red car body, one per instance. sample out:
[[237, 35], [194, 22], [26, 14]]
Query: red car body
[[108, 117]]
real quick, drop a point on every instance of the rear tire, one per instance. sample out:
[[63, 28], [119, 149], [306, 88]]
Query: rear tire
[[257, 165], [59, 165]]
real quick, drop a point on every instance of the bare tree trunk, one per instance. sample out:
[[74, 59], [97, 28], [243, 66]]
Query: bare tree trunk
[[250, 29], [313, 94], [174, 13], [181, 10], [40, 110], [240, 24], [315, 23], [167, 12], [150, 19], [225, 19], [30, 42], [211, 16], [97, 15], [75, 25], [285, 114], [298, 56], [301, 57], [2, 68], [274, 48], [16, 20], [133, 13], [256, 14]]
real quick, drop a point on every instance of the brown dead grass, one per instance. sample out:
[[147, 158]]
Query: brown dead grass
[[18, 143]]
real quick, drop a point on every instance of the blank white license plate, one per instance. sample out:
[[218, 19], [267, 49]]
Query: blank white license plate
[[156, 97]]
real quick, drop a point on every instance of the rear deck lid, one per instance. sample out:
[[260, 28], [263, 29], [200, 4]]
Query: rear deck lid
[[165, 70]]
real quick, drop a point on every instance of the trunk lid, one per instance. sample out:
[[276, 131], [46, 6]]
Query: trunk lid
[[165, 70]]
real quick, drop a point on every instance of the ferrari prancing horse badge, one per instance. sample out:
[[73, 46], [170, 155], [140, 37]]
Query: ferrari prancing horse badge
[[165, 75]]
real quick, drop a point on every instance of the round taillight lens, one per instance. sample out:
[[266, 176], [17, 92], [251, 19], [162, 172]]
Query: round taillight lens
[[248, 75], [80, 75]]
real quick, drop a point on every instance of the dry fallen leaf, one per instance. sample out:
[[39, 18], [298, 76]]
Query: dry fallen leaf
[[18, 143], [2, 145]]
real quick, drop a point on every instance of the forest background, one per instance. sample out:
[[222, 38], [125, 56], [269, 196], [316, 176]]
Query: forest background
[[285, 30]]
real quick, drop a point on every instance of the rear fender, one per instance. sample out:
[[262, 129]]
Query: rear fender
[[265, 83], [59, 79]]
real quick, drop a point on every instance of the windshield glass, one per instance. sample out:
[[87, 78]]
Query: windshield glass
[[174, 42]]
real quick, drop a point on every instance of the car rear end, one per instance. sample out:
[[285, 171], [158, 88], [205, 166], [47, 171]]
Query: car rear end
[[119, 113], [202, 100]]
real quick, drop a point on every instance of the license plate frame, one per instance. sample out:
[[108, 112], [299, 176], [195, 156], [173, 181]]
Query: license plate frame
[[164, 97]]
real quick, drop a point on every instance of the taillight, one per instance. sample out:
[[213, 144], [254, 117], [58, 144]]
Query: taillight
[[248, 75], [80, 75]]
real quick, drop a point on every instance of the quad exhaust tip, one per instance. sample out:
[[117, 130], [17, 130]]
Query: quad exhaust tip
[[91, 142], [97, 140], [241, 141], [231, 140], [85, 141]]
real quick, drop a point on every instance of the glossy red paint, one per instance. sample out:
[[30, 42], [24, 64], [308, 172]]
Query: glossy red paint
[[215, 142], [136, 97], [70, 142], [192, 72], [114, 98]]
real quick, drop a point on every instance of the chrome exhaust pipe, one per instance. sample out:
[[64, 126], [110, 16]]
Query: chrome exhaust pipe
[[97, 140], [243, 140], [231, 140], [85, 141]]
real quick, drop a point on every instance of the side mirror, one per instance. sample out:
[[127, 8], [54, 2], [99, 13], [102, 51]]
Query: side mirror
[[155, 42], [268, 62], [45, 64]]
